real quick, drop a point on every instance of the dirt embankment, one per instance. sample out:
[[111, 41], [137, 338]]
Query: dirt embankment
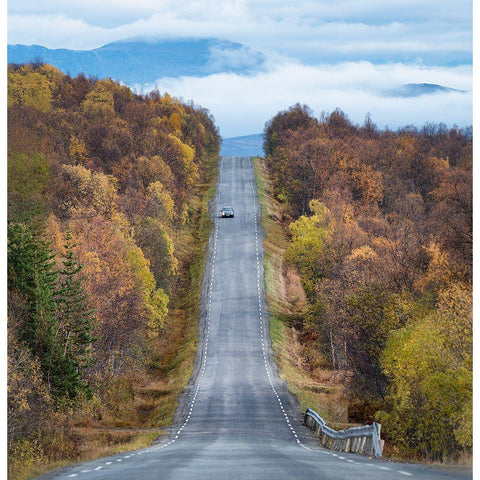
[[314, 386]]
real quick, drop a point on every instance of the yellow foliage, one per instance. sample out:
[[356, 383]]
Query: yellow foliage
[[407, 146], [167, 99], [31, 89], [320, 211], [455, 311], [24, 456], [439, 271], [162, 201], [187, 152], [306, 249], [175, 122], [92, 264], [438, 165], [51, 72], [349, 215], [104, 193], [78, 151], [365, 252], [141, 268], [98, 103], [121, 284], [158, 302], [96, 190], [369, 184], [429, 364], [120, 221], [154, 169]]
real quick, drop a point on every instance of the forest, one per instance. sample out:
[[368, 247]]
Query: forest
[[380, 232], [107, 194]]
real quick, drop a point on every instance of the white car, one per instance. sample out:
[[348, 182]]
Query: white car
[[227, 212]]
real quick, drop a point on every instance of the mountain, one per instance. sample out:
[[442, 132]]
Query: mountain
[[141, 61], [246, 146], [418, 89]]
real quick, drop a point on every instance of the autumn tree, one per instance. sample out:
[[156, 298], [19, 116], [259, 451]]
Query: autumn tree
[[98, 104], [296, 117], [306, 250], [429, 363], [152, 236], [86, 189], [29, 88], [28, 185]]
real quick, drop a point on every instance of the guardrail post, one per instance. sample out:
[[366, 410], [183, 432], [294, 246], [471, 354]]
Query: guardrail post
[[377, 449], [369, 446], [362, 444]]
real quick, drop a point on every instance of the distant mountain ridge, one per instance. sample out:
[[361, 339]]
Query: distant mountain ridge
[[245, 146], [418, 89], [141, 61]]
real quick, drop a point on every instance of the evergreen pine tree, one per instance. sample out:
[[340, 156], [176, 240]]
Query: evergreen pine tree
[[58, 326], [31, 272], [75, 320]]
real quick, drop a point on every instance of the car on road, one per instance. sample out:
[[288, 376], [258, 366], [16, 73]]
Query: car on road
[[227, 212]]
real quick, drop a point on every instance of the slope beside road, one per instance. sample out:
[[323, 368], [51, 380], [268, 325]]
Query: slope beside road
[[237, 419]]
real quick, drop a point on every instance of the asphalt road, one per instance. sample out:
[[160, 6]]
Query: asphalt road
[[236, 420]]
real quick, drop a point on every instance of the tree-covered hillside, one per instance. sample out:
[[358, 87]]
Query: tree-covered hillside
[[380, 226], [105, 193]]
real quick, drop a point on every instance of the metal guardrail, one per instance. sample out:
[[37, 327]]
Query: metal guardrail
[[362, 440]]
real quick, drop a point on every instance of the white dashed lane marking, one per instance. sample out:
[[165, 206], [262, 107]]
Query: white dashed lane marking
[[261, 325]]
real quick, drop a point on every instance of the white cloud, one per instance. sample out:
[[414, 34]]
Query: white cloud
[[366, 11], [55, 31], [241, 105], [225, 59], [315, 31]]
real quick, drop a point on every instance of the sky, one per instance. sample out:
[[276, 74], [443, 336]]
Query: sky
[[325, 53]]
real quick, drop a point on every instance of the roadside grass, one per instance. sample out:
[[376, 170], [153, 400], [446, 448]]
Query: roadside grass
[[321, 390], [105, 442], [96, 443]]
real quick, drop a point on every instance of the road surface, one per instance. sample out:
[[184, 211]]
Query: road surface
[[237, 419]]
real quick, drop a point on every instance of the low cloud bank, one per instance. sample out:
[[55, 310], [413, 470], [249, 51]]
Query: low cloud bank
[[242, 104]]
